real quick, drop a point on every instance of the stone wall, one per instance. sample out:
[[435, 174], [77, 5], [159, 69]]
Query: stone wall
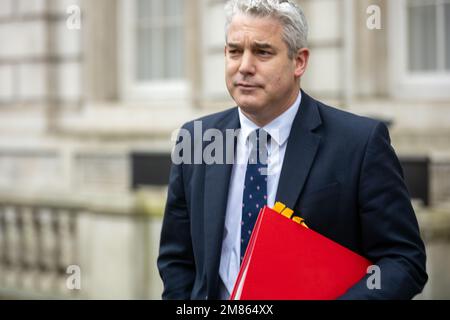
[[40, 58]]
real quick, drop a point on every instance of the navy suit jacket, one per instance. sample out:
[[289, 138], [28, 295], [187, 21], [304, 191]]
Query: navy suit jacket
[[339, 171]]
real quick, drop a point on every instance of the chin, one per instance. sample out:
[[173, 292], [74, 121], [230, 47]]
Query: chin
[[248, 104], [250, 108]]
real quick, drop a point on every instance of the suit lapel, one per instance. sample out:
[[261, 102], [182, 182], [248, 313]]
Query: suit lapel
[[301, 150], [217, 179]]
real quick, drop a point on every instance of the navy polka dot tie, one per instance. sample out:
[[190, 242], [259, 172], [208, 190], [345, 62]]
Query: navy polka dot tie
[[255, 187]]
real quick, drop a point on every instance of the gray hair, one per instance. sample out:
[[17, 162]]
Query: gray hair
[[290, 14]]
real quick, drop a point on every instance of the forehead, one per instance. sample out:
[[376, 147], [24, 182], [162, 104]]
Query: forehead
[[249, 28]]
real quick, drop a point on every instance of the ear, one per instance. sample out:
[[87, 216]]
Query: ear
[[301, 61]]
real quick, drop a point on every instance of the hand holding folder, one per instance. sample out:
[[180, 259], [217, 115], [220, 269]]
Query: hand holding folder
[[287, 261]]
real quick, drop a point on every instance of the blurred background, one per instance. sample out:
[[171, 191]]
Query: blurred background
[[91, 91]]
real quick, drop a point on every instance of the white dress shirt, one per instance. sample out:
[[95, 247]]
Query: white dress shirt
[[279, 130]]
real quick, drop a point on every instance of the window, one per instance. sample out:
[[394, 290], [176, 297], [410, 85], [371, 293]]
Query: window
[[153, 49], [419, 48], [159, 45], [428, 38]]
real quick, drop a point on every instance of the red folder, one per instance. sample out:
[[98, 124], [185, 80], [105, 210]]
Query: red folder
[[285, 260]]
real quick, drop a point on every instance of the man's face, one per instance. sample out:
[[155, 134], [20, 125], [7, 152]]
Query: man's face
[[260, 76]]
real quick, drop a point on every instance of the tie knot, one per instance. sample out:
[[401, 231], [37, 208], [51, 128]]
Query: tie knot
[[259, 137], [259, 140]]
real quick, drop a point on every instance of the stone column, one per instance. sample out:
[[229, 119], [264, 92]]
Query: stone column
[[100, 49], [371, 51]]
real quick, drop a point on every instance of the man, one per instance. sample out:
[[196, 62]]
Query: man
[[336, 169]]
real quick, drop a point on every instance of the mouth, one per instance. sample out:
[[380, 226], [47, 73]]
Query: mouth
[[244, 85]]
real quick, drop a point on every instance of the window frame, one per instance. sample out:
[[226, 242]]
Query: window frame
[[405, 83], [131, 89]]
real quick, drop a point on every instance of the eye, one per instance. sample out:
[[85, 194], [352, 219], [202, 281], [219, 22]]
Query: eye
[[264, 53], [233, 51]]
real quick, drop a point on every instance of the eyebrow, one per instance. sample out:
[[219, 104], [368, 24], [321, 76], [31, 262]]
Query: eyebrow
[[258, 45], [233, 45], [263, 45]]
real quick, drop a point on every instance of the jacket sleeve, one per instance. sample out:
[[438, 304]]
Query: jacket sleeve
[[389, 228], [175, 261]]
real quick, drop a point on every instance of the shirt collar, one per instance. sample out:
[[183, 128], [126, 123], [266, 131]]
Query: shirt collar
[[279, 128]]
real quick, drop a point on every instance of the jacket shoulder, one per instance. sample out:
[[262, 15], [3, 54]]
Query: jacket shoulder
[[346, 123], [212, 120]]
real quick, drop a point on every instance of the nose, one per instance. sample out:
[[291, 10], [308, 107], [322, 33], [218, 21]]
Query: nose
[[247, 66]]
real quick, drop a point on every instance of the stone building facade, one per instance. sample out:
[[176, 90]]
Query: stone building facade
[[83, 84]]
